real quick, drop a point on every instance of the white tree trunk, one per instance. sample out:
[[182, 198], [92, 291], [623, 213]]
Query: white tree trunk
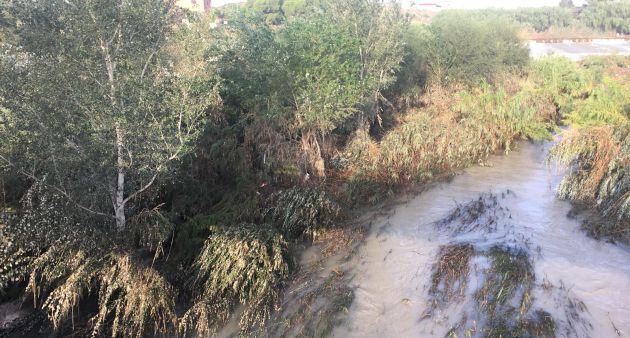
[[119, 203]]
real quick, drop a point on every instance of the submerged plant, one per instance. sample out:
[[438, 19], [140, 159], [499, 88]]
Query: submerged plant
[[450, 272], [508, 283]]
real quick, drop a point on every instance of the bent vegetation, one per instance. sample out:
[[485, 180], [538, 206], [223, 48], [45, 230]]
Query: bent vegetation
[[160, 171]]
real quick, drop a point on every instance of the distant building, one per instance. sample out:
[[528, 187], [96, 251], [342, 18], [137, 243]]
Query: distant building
[[424, 5], [195, 5]]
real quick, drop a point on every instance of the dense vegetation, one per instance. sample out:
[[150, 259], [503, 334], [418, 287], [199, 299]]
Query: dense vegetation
[[164, 167], [597, 146], [596, 15]]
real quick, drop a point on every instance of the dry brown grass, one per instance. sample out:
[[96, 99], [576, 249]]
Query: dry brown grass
[[592, 151], [450, 273]]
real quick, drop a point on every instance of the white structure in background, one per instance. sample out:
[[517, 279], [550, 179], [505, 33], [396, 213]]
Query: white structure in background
[[579, 50], [426, 5], [195, 5]]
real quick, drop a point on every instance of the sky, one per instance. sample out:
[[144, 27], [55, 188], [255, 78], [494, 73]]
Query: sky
[[465, 3]]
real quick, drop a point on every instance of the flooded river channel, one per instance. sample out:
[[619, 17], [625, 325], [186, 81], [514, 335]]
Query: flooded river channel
[[505, 209]]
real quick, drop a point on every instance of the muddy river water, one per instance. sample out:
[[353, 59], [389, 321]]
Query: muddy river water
[[584, 284]]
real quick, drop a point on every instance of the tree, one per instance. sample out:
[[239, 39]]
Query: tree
[[379, 30], [94, 106], [270, 8], [292, 8], [463, 49], [566, 3], [606, 15], [325, 85]]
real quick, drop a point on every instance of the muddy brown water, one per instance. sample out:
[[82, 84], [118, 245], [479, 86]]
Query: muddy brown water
[[392, 269]]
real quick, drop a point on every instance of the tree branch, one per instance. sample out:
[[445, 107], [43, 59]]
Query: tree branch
[[57, 189]]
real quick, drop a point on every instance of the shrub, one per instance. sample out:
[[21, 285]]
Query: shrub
[[607, 15], [561, 78], [468, 50], [301, 212], [607, 104], [67, 258], [132, 301]]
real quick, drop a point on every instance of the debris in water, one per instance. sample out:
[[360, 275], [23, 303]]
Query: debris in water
[[450, 273], [482, 215]]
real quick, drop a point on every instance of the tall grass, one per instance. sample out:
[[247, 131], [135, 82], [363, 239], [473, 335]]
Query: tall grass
[[596, 149], [458, 128]]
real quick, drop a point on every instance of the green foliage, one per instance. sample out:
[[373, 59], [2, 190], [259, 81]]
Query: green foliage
[[93, 99], [244, 264], [543, 18], [379, 29], [607, 15], [538, 18], [607, 104], [600, 15], [271, 9], [464, 49], [560, 76], [301, 212], [324, 73], [414, 72], [294, 8]]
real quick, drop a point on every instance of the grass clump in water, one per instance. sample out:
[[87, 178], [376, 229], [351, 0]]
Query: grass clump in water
[[508, 284], [450, 273], [483, 214], [502, 306], [540, 325], [319, 308]]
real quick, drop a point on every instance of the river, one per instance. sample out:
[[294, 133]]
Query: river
[[579, 50], [392, 270]]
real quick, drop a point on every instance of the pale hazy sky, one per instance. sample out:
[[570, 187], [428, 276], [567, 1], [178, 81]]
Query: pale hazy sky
[[465, 3]]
